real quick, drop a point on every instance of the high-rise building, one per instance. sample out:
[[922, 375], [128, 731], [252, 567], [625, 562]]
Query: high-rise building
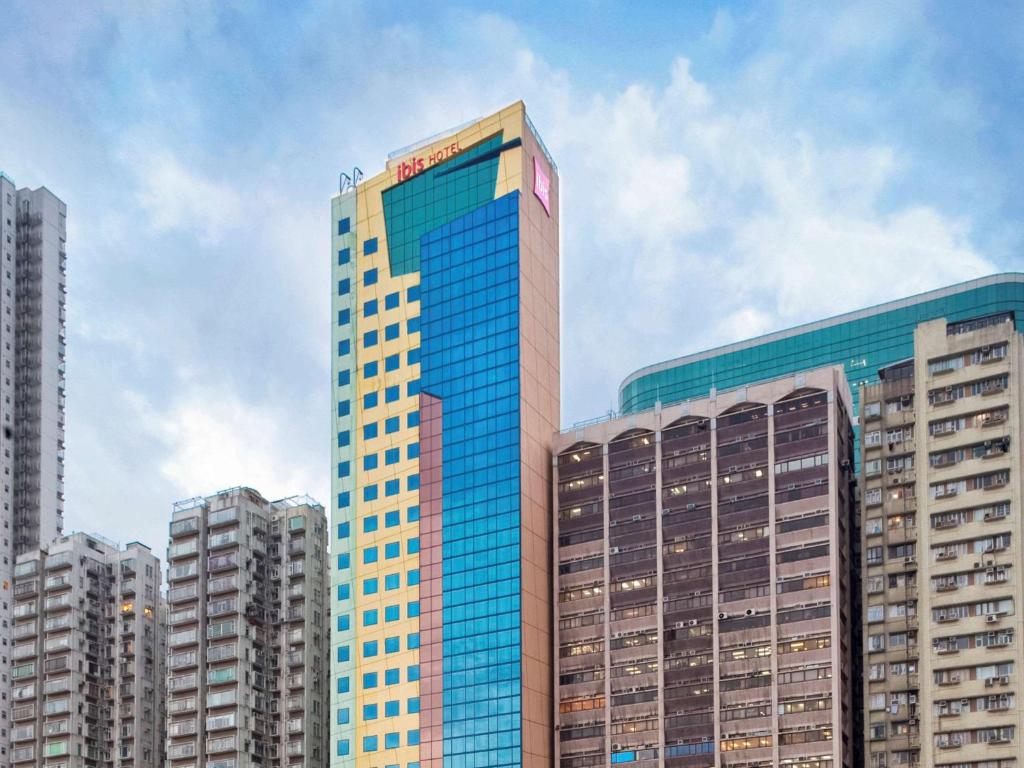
[[703, 597], [247, 633], [446, 361], [32, 288], [87, 658], [862, 342], [941, 541]]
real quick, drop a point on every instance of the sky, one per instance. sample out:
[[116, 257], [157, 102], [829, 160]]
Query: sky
[[726, 170]]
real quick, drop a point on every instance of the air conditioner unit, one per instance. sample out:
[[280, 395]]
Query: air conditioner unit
[[637, 518], [691, 506], [613, 550], [749, 612], [991, 618], [693, 622], [1004, 680], [989, 682], [723, 615]]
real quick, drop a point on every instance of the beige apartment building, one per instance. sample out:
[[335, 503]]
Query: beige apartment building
[[940, 528], [87, 676], [702, 598], [247, 632]]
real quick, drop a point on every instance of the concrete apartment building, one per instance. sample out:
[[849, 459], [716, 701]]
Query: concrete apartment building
[[87, 657], [702, 596], [247, 631], [32, 293], [940, 527]]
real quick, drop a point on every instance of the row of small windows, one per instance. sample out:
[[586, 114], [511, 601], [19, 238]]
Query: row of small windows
[[372, 679], [372, 399], [391, 301], [392, 708], [371, 431], [391, 741], [391, 487], [372, 460], [392, 581], [392, 549], [391, 519], [371, 647], [412, 325], [371, 616], [372, 368]]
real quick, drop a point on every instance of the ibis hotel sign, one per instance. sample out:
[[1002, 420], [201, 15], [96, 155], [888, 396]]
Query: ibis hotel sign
[[414, 165]]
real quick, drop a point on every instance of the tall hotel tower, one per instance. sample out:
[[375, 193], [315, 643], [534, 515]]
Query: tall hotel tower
[[941, 541], [446, 371], [33, 231], [703, 597]]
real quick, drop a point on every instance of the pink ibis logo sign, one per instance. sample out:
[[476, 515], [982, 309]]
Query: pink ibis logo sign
[[542, 185]]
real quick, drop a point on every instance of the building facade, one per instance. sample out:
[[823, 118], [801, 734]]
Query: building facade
[[940, 527], [862, 342], [247, 633], [87, 656], [32, 292], [446, 393], [703, 597]]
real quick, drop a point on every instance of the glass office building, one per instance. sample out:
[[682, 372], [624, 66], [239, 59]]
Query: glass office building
[[446, 350], [862, 342]]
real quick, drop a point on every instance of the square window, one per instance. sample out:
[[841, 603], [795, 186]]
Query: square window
[[344, 500], [344, 347], [392, 581], [370, 617], [412, 514], [391, 613], [344, 469], [369, 555], [344, 226], [413, 545], [391, 708], [344, 439], [370, 648], [391, 677], [392, 362], [369, 308], [343, 746], [343, 653], [344, 316], [370, 275], [414, 669], [370, 339], [370, 524], [370, 370], [391, 741], [369, 711], [370, 493], [391, 644], [344, 377], [370, 246], [391, 488], [369, 743], [414, 609], [344, 623], [369, 431], [369, 586], [412, 388], [413, 641], [370, 461], [413, 737], [412, 482], [392, 518], [412, 357], [391, 332], [392, 550], [392, 425], [344, 591], [343, 716], [344, 407], [413, 293], [413, 419], [412, 451], [392, 455], [343, 562], [344, 530], [413, 705], [344, 287], [391, 301], [391, 394], [343, 685], [370, 400], [344, 257], [413, 577], [412, 325]]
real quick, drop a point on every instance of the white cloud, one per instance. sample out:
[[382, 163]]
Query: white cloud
[[214, 440]]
